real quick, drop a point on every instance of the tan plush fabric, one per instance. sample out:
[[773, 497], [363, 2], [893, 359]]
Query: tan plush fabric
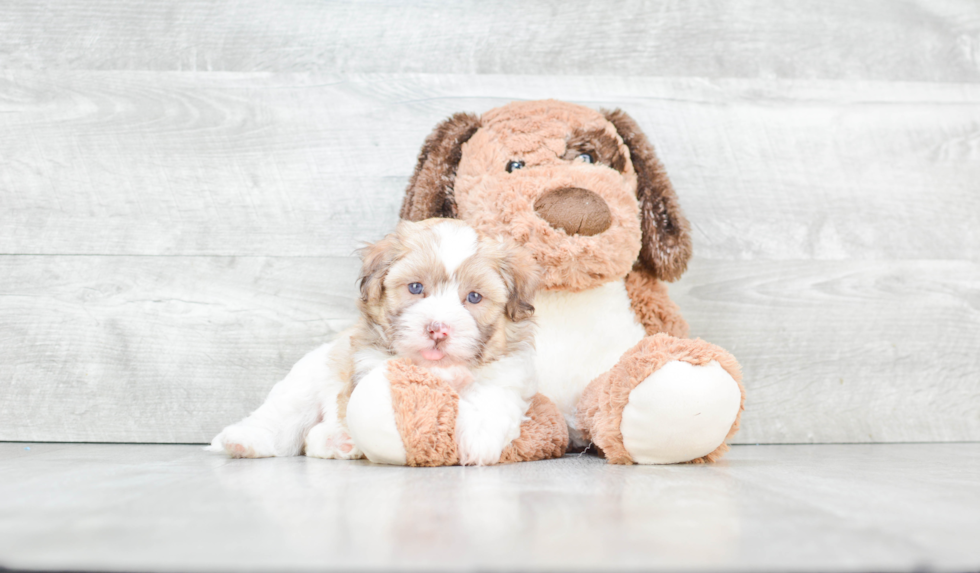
[[425, 415], [462, 172], [544, 435], [652, 305], [495, 201], [601, 406]]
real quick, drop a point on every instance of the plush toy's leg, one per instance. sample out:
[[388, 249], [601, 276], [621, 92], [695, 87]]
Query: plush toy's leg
[[668, 400], [401, 414], [544, 435]]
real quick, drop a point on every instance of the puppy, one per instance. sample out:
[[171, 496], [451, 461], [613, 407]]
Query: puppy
[[434, 294]]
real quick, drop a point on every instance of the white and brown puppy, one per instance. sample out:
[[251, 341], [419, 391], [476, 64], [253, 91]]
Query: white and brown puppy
[[436, 294]]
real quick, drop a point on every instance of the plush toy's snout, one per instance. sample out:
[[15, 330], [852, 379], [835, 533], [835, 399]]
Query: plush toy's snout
[[574, 210]]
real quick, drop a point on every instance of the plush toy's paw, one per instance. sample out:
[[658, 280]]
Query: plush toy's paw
[[244, 441], [403, 415], [544, 435], [669, 400], [330, 441], [426, 408], [371, 419]]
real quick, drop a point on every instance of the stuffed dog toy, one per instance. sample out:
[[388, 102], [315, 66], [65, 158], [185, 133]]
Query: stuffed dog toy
[[585, 193]]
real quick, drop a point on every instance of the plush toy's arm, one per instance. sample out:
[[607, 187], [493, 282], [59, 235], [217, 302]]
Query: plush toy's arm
[[425, 410], [652, 305]]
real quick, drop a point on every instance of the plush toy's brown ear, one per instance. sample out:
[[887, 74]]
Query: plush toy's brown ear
[[430, 191], [666, 232]]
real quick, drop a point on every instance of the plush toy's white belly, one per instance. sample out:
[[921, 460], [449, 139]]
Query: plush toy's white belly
[[581, 335]]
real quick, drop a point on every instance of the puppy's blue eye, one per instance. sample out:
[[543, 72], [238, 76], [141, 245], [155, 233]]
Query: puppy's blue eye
[[516, 164], [474, 297], [415, 288], [586, 158]]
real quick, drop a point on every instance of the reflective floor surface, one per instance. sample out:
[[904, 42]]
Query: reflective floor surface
[[900, 507]]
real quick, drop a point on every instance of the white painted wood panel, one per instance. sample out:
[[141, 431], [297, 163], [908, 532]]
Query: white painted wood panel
[[170, 349], [182, 185], [845, 351], [921, 40], [301, 165], [156, 349]]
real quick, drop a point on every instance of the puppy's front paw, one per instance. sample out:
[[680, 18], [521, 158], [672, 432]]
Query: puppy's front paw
[[477, 446], [328, 441], [478, 451], [240, 441]]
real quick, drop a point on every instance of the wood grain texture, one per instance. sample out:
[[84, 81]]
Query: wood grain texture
[[918, 40], [183, 183], [156, 349], [314, 165], [170, 349], [845, 351]]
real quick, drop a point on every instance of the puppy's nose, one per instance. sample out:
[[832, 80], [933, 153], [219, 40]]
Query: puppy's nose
[[437, 331], [574, 210]]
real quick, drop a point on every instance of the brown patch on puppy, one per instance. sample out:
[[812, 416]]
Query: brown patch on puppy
[[504, 315], [666, 232], [430, 190], [522, 277]]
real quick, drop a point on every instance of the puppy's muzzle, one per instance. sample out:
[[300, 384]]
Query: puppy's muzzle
[[574, 210]]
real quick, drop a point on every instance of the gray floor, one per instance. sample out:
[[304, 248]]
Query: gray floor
[[175, 508]]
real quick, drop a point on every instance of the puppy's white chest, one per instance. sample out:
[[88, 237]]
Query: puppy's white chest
[[579, 336]]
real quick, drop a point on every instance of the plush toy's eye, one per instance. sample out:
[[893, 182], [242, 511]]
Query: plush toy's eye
[[474, 297], [415, 288], [586, 158], [516, 164]]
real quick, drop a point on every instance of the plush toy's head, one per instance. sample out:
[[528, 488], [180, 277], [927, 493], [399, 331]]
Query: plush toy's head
[[583, 190]]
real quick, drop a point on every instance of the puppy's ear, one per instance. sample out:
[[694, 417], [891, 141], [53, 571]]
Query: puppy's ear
[[522, 275], [430, 190], [376, 260], [666, 245]]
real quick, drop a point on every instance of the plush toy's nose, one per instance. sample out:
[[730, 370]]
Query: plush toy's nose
[[574, 210]]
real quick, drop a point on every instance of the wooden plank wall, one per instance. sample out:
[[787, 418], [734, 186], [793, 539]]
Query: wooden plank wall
[[183, 183]]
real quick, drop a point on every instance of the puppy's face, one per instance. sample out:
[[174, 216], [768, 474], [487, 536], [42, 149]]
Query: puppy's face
[[441, 296]]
